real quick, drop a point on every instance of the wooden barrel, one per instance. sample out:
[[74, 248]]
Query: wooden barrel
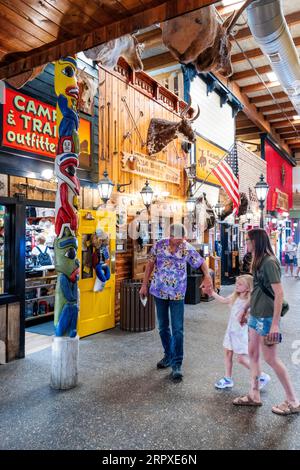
[[133, 315]]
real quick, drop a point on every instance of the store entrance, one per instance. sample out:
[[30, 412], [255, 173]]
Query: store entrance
[[40, 277], [96, 306]]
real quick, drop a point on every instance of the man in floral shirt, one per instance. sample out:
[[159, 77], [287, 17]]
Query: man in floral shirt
[[168, 261]]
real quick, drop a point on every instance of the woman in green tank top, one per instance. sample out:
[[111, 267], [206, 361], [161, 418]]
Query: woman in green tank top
[[265, 311]]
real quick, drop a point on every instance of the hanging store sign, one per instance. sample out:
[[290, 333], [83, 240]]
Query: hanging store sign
[[280, 200], [143, 165], [208, 156], [29, 125]]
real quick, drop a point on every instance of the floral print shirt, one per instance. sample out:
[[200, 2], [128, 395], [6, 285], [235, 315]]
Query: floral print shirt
[[169, 277]]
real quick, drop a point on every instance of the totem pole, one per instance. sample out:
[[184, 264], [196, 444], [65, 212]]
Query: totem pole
[[65, 344]]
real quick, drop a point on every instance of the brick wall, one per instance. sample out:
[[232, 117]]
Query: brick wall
[[251, 166]]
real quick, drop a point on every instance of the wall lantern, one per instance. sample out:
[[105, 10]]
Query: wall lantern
[[105, 187], [147, 194]]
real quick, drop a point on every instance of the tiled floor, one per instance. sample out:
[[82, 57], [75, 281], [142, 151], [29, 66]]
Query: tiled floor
[[35, 342]]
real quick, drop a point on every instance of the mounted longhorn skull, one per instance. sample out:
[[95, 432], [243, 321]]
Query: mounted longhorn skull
[[200, 38], [87, 90], [108, 54], [161, 132]]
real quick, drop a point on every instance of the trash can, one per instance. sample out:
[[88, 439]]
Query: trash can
[[133, 315]]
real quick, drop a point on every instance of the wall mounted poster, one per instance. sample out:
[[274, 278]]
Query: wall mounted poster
[[208, 156]]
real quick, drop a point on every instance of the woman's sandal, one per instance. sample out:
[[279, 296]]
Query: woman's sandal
[[285, 409], [246, 401]]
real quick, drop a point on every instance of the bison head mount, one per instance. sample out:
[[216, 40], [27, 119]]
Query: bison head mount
[[161, 131]]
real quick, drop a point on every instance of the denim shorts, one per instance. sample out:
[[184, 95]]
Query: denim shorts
[[261, 325]]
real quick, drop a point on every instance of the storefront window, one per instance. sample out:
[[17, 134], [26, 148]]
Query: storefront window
[[2, 248], [85, 157], [39, 263]]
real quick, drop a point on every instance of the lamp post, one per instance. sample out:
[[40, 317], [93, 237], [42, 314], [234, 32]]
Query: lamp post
[[261, 189], [190, 204], [219, 208], [105, 187], [249, 216], [147, 194]]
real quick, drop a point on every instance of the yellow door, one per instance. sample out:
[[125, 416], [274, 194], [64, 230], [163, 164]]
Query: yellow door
[[97, 309]]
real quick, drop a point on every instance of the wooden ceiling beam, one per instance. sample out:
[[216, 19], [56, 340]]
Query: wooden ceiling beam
[[248, 130], [290, 135], [260, 99], [272, 117], [255, 53], [284, 123], [251, 72], [252, 113], [256, 87], [159, 61], [282, 130], [253, 136], [294, 142], [165, 10], [274, 107], [244, 124]]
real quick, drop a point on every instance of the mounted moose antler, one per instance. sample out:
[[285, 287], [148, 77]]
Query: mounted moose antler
[[201, 39], [161, 132]]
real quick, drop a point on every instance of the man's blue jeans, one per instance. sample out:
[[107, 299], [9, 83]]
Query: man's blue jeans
[[172, 343]]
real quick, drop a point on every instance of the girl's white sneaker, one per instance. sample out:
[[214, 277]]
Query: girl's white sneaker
[[225, 382], [264, 380]]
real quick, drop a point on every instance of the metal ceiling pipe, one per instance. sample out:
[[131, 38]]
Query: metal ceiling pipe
[[270, 30]]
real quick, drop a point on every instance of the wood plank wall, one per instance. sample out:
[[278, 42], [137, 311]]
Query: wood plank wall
[[145, 99]]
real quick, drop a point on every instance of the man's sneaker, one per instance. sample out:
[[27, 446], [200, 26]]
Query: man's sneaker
[[263, 380], [164, 363], [224, 383], [177, 373]]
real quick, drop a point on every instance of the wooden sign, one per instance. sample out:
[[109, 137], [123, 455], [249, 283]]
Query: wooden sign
[[149, 167], [280, 200]]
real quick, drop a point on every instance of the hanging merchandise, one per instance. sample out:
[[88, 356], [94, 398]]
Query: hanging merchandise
[[100, 258], [134, 122], [102, 116]]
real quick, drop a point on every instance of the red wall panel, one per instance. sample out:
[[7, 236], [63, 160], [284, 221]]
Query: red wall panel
[[276, 164]]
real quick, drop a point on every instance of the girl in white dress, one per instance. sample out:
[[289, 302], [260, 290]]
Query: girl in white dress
[[236, 336]]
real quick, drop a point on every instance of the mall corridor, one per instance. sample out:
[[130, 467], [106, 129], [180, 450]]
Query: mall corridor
[[123, 402]]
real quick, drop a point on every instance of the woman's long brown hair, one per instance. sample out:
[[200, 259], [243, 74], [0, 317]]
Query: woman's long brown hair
[[262, 247]]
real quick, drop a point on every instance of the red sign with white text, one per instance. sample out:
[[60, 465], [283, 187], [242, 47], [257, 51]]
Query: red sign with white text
[[29, 124]]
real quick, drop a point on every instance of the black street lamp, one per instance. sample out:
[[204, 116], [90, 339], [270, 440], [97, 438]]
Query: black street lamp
[[261, 189], [249, 216], [219, 209]]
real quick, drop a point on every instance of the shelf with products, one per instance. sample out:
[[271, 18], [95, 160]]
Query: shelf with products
[[42, 315]]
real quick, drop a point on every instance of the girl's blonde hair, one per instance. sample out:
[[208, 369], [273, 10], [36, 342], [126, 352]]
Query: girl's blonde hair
[[248, 280]]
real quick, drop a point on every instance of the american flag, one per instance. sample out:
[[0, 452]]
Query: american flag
[[227, 172]]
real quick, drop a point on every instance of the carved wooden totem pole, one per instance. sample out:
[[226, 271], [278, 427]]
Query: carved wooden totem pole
[[65, 344]]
